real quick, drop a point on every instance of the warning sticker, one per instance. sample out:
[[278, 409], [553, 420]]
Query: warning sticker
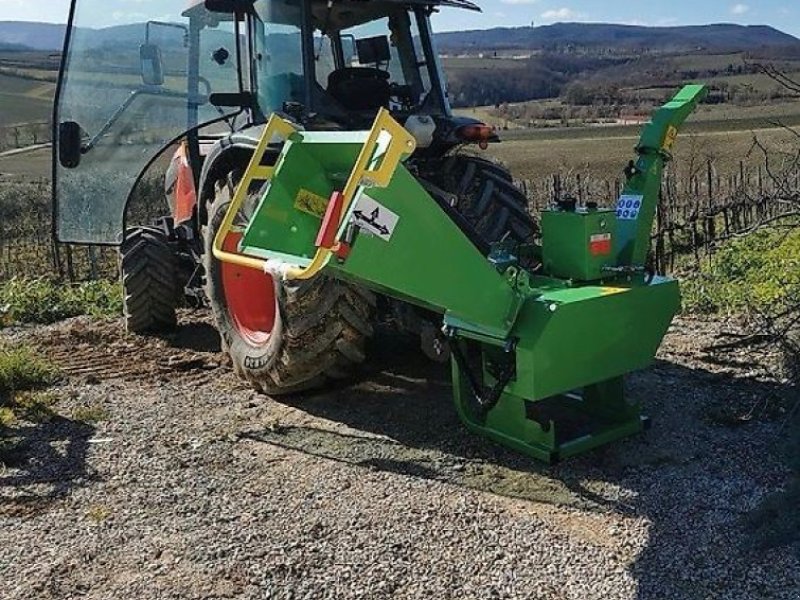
[[628, 207], [600, 244], [375, 218], [310, 203], [669, 138]]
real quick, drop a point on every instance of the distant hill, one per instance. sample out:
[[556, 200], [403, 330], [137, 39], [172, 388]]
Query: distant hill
[[7, 47], [711, 38], [50, 37], [35, 36]]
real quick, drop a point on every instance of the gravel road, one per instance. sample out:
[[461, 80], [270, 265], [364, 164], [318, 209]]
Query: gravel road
[[186, 484]]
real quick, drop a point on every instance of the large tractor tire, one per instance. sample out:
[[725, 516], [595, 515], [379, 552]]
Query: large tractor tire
[[150, 282], [283, 337], [484, 195]]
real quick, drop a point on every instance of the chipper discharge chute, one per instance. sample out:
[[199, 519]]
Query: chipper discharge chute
[[538, 355]]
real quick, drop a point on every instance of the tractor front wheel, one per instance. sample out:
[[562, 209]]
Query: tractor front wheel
[[150, 282], [283, 337]]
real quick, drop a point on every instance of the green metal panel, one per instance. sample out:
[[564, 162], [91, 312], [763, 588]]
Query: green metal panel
[[310, 167], [429, 261], [573, 337], [558, 428], [578, 244]]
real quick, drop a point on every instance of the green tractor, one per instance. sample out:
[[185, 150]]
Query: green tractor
[[319, 184]]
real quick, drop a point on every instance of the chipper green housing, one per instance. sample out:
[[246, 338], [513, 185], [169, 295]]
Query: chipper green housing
[[538, 355]]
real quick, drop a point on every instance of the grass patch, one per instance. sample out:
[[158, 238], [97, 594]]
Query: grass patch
[[34, 406], [98, 513], [90, 414], [23, 375], [23, 370], [43, 300], [758, 273]]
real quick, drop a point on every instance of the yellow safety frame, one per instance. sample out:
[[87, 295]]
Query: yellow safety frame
[[276, 126], [364, 174]]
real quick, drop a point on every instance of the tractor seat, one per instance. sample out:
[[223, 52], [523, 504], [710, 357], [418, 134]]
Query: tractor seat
[[360, 88]]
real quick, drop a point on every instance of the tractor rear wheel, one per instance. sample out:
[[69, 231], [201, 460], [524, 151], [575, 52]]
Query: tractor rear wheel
[[149, 271], [484, 195], [283, 337]]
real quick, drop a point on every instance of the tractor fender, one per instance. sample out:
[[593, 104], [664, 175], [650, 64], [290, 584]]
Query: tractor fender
[[231, 153], [179, 186]]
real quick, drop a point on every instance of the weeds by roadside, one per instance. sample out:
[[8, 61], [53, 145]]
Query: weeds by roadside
[[90, 414], [759, 276], [23, 377], [22, 369], [46, 301], [758, 273]]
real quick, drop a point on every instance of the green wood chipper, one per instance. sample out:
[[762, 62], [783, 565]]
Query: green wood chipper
[[320, 184], [538, 356]]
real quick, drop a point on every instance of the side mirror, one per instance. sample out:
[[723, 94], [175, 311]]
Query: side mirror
[[373, 50], [69, 144], [349, 48], [152, 65]]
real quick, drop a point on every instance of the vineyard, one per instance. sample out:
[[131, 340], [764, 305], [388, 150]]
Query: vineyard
[[27, 248], [695, 216]]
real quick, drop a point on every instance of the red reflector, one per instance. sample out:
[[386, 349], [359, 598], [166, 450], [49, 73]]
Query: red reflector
[[326, 236], [600, 244]]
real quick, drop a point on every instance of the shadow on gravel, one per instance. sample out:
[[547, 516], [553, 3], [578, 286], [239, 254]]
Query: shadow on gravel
[[196, 336], [40, 463], [694, 477]]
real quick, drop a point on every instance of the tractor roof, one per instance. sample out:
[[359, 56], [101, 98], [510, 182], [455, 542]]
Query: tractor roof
[[341, 14], [453, 3]]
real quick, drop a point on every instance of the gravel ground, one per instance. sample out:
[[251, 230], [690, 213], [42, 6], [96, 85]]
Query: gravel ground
[[189, 485]]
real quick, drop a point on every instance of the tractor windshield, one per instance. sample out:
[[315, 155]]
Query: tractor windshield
[[135, 76]]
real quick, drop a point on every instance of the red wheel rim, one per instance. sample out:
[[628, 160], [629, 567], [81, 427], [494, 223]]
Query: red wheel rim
[[249, 296]]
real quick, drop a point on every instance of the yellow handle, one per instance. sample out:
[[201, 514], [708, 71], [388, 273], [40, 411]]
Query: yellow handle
[[254, 172], [401, 143]]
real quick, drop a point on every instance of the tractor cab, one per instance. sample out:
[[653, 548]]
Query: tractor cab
[[140, 79], [358, 57]]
